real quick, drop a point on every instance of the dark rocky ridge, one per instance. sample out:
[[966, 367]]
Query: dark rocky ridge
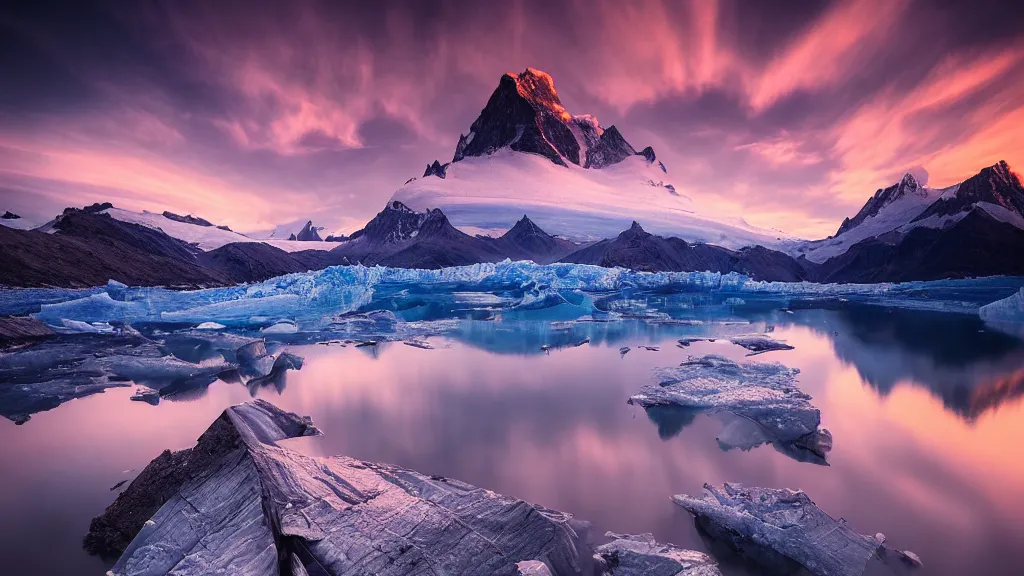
[[254, 261], [639, 250], [996, 184], [187, 219], [526, 241], [975, 246], [401, 237], [8, 215], [88, 249]]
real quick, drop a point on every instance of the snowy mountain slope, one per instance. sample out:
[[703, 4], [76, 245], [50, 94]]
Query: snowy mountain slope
[[19, 223], [205, 237], [491, 193], [894, 212]]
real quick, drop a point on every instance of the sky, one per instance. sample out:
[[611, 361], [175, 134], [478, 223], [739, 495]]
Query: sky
[[788, 113]]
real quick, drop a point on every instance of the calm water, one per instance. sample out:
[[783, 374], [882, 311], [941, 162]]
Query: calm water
[[924, 408]]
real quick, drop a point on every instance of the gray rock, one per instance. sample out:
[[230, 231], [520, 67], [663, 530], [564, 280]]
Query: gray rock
[[240, 503], [784, 531], [641, 555], [763, 399]]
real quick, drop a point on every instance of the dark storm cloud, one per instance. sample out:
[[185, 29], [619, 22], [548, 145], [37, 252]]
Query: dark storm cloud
[[255, 113]]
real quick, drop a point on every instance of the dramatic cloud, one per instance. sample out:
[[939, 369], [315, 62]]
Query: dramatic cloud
[[255, 113]]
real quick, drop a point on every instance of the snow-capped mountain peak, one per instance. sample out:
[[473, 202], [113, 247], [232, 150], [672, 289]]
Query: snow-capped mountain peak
[[525, 114], [893, 212]]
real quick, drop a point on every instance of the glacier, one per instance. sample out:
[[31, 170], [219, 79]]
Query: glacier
[[311, 299]]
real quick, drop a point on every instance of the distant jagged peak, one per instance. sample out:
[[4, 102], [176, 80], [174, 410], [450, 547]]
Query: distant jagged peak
[[525, 227], [436, 169], [635, 231], [525, 114], [8, 215]]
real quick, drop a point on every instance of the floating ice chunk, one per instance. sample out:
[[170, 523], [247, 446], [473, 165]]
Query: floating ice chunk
[[147, 395], [262, 502], [422, 344], [734, 301], [759, 344], [85, 327], [784, 531], [641, 555], [1007, 310], [282, 327], [210, 326], [765, 394]]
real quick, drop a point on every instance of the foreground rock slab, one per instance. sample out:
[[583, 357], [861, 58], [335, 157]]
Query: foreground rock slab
[[784, 532], [240, 503], [759, 402]]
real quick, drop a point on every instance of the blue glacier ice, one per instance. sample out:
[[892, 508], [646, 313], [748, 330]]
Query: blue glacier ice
[[310, 299], [1010, 309]]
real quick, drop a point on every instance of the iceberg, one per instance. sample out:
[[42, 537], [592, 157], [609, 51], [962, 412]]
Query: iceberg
[[784, 532], [1007, 310], [762, 398]]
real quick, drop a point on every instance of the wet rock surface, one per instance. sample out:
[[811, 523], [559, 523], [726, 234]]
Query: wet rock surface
[[784, 532], [239, 500], [242, 503]]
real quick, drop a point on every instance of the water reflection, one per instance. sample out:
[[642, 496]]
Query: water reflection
[[923, 452], [969, 368]]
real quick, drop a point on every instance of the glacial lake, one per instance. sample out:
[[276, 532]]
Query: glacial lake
[[925, 409]]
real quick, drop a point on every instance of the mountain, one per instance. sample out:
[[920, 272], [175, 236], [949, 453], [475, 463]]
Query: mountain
[[526, 241], [637, 249], [88, 249], [977, 244], [995, 193], [401, 237], [910, 232], [307, 234], [526, 154], [204, 236], [255, 261]]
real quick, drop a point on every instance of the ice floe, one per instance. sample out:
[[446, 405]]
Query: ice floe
[[784, 532], [758, 403]]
